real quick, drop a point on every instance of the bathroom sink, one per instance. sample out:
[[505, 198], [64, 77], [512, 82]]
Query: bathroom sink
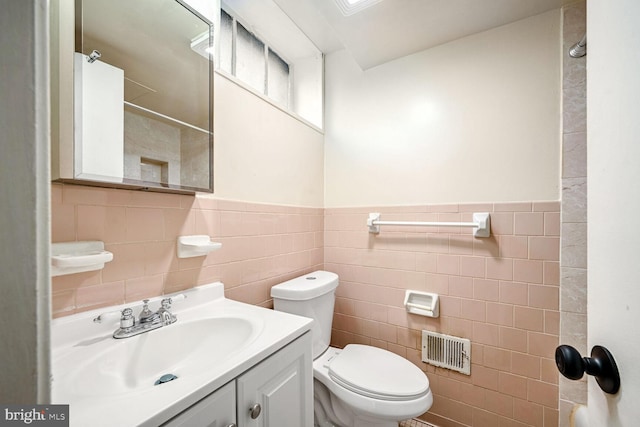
[[107, 381], [186, 349]]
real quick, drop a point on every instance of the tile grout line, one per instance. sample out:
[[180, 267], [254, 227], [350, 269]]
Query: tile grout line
[[414, 422]]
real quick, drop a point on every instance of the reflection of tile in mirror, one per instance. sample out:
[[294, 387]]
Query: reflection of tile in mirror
[[134, 90], [194, 158], [154, 170]]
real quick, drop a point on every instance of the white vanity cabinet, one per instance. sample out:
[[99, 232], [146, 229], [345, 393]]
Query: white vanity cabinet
[[216, 410], [276, 392]]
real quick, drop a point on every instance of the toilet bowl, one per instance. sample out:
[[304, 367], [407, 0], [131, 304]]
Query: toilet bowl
[[359, 385]]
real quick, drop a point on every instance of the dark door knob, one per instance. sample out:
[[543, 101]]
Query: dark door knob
[[601, 365]]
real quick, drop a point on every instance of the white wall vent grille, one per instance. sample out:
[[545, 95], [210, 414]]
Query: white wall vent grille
[[446, 351]]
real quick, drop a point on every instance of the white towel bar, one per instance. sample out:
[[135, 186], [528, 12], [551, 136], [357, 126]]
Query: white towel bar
[[481, 223]]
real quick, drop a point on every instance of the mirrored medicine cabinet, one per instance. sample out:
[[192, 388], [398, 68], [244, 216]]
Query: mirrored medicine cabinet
[[132, 94]]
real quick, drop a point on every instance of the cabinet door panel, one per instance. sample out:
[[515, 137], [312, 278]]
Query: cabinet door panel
[[216, 410], [283, 387]]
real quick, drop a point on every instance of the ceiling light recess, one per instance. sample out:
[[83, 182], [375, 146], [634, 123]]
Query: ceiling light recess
[[349, 7]]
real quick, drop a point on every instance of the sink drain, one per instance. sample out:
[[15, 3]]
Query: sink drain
[[165, 379]]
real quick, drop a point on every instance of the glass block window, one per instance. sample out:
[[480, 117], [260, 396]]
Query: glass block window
[[226, 42], [251, 60], [278, 78]]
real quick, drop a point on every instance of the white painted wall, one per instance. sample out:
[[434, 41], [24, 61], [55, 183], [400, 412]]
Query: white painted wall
[[262, 154], [613, 103], [474, 120], [24, 202]]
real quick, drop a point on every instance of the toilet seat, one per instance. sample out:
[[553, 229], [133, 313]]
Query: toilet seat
[[366, 406], [378, 374]]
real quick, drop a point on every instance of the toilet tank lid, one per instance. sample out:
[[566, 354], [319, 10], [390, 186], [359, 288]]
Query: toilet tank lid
[[306, 287]]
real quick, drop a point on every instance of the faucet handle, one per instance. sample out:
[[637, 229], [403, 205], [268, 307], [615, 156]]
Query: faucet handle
[[123, 315], [165, 305], [166, 302], [127, 320], [109, 315]]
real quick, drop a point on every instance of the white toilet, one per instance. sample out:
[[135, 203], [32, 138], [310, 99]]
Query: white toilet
[[359, 385]]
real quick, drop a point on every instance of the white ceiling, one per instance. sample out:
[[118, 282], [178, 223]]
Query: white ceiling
[[392, 29]]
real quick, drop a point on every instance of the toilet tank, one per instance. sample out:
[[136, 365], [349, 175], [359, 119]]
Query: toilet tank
[[311, 295]]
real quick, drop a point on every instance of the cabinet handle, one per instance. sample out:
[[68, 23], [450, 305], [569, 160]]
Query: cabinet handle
[[255, 410]]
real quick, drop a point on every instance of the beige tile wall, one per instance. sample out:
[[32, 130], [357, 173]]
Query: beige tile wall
[[194, 158], [262, 245], [501, 292]]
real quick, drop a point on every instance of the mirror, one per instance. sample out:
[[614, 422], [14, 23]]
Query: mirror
[[143, 94]]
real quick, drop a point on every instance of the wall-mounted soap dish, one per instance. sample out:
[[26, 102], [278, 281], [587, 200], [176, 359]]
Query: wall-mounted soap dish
[[198, 245], [78, 257], [422, 303]]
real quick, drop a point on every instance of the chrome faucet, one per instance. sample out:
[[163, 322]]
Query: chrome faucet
[[146, 315], [147, 320], [166, 317]]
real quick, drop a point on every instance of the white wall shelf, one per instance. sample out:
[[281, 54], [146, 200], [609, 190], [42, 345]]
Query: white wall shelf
[[197, 245], [78, 257]]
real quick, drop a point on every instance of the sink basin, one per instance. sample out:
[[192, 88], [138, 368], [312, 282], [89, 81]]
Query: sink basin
[[184, 349]]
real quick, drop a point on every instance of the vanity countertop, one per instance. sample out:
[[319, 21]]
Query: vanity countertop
[[110, 382]]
